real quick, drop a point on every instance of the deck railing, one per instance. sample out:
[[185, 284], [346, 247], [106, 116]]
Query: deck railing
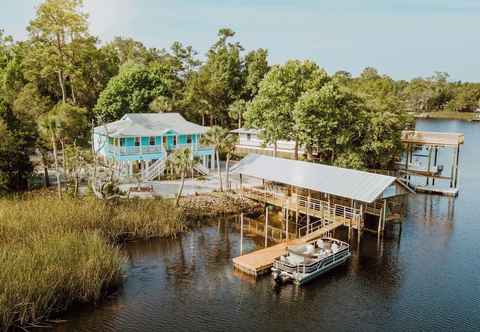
[[153, 149], [273, 233], [328, 213]]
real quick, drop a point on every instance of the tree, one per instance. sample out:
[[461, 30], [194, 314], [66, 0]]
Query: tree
[[256, 67], [272, 108], [427, 95], [218, 82], [77, 159], [49, 128], [54, 31], [15, 165], [467, 98], [236, 111], [382, 139], [130, 50], [28, 106], [330, 119], [182, 160], [215, 137], [73, 125], [132, 91]]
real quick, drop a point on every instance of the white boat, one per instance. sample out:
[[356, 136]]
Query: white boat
[[305, 262]]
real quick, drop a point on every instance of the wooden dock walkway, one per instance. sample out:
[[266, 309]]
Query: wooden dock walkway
[[260, 261]]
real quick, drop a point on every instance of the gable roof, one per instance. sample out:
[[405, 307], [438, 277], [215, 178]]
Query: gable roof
[[343, 182], [150, 124]]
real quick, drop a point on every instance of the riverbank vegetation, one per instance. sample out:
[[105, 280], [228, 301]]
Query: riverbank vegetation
[[55, 253]]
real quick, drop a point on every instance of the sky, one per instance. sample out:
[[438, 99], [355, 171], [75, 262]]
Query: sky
[[402, 38]]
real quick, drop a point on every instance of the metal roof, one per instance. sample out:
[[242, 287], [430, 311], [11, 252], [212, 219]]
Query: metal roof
[[150, 124], [353, 184]]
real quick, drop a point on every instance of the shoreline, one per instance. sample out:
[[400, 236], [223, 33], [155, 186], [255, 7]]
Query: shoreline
[[464, 116], [73, 231]]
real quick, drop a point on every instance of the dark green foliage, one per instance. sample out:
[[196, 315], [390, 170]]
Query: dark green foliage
[[273, 107], [132, 91], [15, 165]]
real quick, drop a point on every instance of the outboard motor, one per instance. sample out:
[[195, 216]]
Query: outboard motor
[[276, 276]]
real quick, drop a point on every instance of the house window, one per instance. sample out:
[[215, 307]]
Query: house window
[[152, 140], [189, 139], [111, 141], [137, 141], [174, 140], [249, 136], [164, 140], [122, 141]]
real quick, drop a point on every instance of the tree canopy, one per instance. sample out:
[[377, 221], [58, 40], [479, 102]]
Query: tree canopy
[[132, 91], [63, 71]]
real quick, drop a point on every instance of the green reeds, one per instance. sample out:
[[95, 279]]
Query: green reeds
[[57, 252]]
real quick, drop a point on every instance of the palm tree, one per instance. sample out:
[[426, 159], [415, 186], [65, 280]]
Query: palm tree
[[228, 147], [182, 161], [215, 137]]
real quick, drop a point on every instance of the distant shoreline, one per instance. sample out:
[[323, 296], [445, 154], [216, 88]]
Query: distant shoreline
[[465, 116]]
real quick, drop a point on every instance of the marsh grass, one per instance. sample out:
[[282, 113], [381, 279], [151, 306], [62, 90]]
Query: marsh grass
[[54, 253]]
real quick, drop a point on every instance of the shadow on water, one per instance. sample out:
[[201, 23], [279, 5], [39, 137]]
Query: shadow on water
[[426, 279]]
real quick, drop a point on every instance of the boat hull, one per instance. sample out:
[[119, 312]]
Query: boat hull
[[309, 277], [303, 263]]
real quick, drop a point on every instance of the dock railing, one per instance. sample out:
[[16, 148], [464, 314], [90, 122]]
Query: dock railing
[[257, 227], [327, 212]]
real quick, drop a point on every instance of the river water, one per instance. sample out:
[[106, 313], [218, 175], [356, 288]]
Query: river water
[[427, 278]]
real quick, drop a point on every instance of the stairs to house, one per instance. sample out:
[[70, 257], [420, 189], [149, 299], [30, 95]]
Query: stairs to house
[[154, 170], [201, 169]]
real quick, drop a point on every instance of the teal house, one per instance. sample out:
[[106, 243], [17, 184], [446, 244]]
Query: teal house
[[141, 142]]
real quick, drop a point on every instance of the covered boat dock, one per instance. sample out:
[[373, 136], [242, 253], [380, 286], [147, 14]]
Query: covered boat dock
[[319, 199], [421, 160]]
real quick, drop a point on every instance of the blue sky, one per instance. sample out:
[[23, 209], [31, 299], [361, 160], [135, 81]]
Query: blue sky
[[402, 38]]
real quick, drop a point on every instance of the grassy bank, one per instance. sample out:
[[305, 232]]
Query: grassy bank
[[54, 253], [466, 116]]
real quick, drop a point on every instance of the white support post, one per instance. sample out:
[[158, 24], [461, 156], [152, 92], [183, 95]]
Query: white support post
[[380, 221], [241, 234], [266, 226], [286, 221], [308, 214], [384, 219]]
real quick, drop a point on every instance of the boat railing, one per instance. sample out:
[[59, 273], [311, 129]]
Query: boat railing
[[309, 268]]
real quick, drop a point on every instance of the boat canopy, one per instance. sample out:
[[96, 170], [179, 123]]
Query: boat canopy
[[343, 182]]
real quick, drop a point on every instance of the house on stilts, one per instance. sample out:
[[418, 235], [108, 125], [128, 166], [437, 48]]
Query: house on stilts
[[141, 143], [319, 198]]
